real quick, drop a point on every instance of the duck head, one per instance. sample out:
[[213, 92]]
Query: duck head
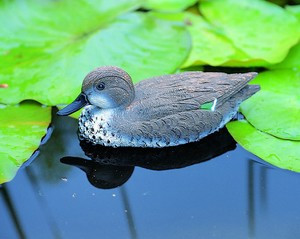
[[105, 87]]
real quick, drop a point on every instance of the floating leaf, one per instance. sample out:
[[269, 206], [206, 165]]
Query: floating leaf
[[291, 61], [263, 31], [294, 10], [275, 109], [168, 5], [21, 130], [210, 46], [293, 58], [50, 48], [281, 153]]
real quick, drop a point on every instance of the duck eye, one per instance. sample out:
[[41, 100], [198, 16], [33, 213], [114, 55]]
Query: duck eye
[[100, 86]]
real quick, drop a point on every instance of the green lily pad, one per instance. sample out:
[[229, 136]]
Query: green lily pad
[[263, 31], [295, 9], [210, 45], [293, 58], [47, 57], [21, 130], [168, 5], [275, 109], [279, 152]]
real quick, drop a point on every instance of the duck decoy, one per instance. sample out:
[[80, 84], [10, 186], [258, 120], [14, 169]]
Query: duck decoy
[[162, 111]]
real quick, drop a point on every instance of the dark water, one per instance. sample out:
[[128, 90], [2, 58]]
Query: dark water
[[233, 195]]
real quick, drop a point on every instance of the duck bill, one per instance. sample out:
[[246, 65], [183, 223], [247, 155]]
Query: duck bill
[[76, 105], [81, 163]]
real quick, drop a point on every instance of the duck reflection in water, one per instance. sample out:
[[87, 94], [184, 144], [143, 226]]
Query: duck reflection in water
[[111, 167]]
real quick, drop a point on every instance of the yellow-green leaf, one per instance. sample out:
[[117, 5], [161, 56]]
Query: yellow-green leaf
[[263, 31], [279, 152], [47, 47], [275, 109], [21, 130], [210, 46], [168, 5]]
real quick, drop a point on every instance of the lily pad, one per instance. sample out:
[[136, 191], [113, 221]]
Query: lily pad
[[275, 109], [295, 9], [168, 5], [279, 152], [210, 45], [21, 130], [48, 50], [293, 58], [263, 31]]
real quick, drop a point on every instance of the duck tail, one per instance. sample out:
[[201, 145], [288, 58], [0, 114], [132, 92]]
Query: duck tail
[[249, 90]]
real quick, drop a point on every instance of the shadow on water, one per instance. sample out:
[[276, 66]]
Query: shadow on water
[[112, 167]]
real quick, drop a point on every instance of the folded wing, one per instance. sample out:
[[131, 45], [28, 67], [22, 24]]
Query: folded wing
[[171, 94]]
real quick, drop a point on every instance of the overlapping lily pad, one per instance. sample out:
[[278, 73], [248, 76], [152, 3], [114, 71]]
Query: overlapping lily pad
[[263, 31], [294, 9], [168, 5], [292, 60], [47, 50], [281, 153], [21, 130], [276, 108], [210, 46]]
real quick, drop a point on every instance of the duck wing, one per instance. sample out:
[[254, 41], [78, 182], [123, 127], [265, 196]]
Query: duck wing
[[167, 110], [172, 94]]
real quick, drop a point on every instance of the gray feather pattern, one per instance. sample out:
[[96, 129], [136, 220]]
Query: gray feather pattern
[[166, 109]]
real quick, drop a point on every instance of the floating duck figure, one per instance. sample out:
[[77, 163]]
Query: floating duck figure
[[158, 112]]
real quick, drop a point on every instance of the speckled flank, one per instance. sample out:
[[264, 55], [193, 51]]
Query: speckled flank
[[94, 126]]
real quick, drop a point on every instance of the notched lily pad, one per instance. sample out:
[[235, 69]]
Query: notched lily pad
[[21, 130], [263, 31], [275, 109], [47, 57], [281, 153], [210, 46]]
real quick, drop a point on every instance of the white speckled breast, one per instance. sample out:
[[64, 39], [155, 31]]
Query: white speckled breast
[[95, 126]]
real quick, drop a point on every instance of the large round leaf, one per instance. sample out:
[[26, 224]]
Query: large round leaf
[[210, 45], [295, 9], [168, 5], [293, 58], [21, 130], [46, 61], [262, 30], [53, 24], [275, 109], [279, 152]]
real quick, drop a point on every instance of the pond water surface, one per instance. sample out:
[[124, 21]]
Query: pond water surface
[[210, 189]]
